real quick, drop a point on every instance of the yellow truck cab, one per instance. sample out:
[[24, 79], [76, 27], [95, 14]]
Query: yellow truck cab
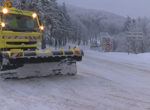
[[19, 29]]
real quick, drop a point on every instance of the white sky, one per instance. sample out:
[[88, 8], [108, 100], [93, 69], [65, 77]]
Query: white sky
[[133, 8]]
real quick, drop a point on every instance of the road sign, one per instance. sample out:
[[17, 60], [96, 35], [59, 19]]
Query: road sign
[[107, 44], [134, 35], [107, 40], [107, 49], [104, 34], [7, 4], [103, 40]]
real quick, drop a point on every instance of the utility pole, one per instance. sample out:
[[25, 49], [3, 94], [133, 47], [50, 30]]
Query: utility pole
[[143, 47], [128, 47]]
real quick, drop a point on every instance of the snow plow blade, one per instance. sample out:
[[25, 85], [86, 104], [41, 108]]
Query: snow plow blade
[[18, 63]]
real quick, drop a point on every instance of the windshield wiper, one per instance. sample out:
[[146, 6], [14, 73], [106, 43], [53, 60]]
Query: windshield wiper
[[31, 29], [21, 30], [11, 29]]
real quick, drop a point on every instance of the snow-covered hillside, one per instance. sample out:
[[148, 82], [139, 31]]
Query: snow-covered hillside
[[105, 81], [103, 16]]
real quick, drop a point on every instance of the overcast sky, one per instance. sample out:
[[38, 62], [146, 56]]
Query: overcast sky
[[133, 8]]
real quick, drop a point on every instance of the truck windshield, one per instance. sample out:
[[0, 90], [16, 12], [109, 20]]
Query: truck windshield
[[19, 23]]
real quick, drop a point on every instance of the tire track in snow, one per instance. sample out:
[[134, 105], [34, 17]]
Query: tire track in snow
[[119, 69], [133, 101]]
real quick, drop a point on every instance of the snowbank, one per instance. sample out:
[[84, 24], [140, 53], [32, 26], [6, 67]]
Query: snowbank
[[124, 57]]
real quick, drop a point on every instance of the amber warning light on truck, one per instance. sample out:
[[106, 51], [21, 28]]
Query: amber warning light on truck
[[42, 28], [34, 15]]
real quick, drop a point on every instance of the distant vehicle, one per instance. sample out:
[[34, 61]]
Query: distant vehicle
[[94, 46]]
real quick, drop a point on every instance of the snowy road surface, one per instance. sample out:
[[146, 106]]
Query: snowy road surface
[[103, 82]]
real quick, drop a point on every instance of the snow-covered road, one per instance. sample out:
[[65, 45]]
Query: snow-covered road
[[102, 83]]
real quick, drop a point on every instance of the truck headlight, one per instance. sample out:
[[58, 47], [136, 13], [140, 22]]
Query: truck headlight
[[5, 10], [3, 24]]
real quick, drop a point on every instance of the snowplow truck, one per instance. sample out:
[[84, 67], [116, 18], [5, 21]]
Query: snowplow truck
[[20, 35]]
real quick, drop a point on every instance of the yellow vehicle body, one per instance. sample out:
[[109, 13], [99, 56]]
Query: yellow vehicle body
[[3, 42], [19, 56]]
